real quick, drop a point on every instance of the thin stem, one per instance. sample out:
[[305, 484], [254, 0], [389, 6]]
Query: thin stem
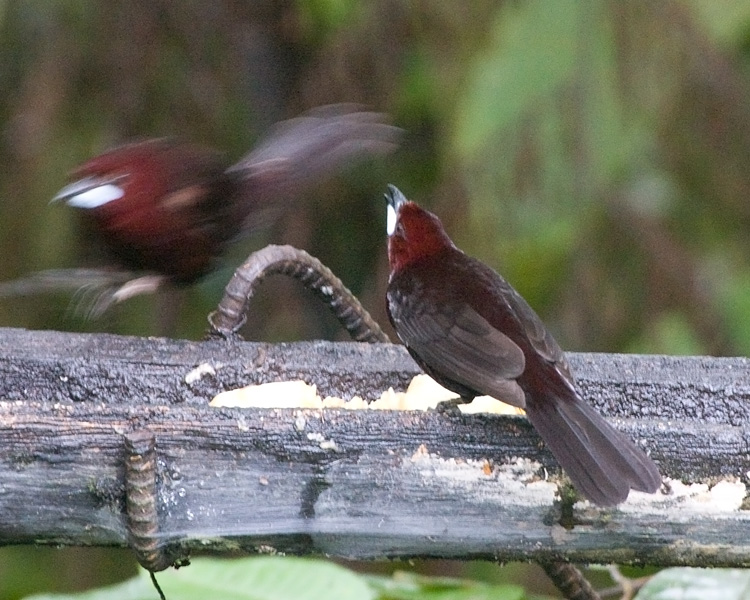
[[569, 580]]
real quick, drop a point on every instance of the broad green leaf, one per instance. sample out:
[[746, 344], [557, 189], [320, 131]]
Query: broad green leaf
[[259, 578], [408, 586], [532, 51], [542, 130], [138, 588], [726, 21], [697, 584]]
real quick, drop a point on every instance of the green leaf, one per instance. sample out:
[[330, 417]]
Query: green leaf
[[409, 586], [726, 22], [258, 578], [532, 52], [138, 588], [697, 584]]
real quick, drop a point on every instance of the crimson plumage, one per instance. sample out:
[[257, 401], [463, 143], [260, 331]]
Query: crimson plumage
[[472, 332], [170, 207]]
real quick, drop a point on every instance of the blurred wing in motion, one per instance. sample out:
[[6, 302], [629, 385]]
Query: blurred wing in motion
[[303, 151], [168, 209]]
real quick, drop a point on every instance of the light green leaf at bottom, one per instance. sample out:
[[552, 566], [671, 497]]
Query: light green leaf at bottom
[[259, 578], [697, 584]]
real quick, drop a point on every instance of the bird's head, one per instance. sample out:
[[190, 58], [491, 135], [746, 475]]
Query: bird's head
[[413, 233], [114, 177], [139, 175], [151, 203]]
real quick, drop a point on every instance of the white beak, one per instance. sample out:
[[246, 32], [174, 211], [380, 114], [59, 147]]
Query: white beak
[[90, 192]]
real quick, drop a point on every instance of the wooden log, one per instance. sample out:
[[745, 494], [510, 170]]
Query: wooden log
[[356, 484]]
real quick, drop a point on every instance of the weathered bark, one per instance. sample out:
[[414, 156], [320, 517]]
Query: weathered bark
[[358, 484]]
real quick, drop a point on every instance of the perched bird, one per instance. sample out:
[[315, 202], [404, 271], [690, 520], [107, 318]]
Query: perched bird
[[472, 332], [168, 209]]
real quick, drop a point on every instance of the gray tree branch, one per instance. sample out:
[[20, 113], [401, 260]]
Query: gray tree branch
[[356, 484]]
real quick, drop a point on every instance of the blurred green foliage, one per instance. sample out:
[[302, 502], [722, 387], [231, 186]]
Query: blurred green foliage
[[596, 153]]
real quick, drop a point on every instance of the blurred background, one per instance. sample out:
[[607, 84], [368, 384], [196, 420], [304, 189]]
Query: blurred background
[[596, 153]]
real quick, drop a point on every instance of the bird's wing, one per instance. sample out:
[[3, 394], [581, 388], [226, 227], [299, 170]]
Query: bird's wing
[[302, 151], [462, 346], [539, 336]]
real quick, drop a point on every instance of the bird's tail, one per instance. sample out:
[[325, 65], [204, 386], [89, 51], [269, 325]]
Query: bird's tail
[[602, 462]]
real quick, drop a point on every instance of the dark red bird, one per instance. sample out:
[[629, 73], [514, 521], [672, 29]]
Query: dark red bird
[[473, 333], [171, 208]]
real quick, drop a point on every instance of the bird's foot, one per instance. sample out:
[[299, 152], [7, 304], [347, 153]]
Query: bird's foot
[[450, 407]]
